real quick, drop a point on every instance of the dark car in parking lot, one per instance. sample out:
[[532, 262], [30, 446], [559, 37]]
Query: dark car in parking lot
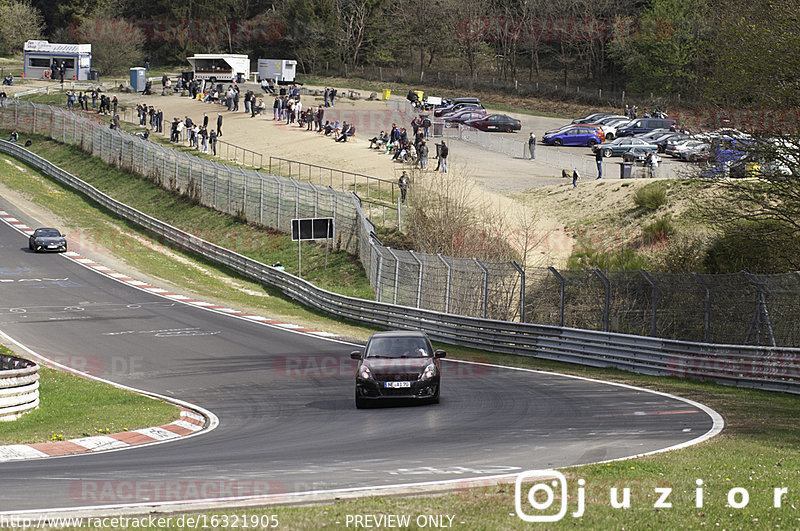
[[623, 144], [47, 239], [592, 118], [644, 125], [639, 154], [496, 122], [443, 111], [398, 365], [463, 116]]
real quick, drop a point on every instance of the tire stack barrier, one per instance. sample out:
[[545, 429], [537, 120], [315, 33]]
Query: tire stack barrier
[[19, 387]]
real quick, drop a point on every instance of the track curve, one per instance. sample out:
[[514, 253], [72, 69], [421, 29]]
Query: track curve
[[287, 422]]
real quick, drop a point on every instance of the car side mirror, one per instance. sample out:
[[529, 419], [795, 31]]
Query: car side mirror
[[439, 354], [355, 355]]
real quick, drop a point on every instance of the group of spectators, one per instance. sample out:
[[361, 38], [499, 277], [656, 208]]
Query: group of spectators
[[197, 135], [412, 149]]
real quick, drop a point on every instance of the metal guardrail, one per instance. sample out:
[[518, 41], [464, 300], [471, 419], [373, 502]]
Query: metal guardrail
[[19, 387], [366, 186], [768, 368]]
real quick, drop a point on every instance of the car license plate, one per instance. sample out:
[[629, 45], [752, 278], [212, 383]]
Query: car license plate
[[397, 385], [53, 246]]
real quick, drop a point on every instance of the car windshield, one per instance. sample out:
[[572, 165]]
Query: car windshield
[[48, 233], [397, 347]]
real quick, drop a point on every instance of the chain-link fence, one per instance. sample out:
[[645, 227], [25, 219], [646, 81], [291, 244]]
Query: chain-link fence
[[740, 308], [269, 200]]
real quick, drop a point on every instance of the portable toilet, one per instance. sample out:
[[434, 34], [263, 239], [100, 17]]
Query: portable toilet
[[138, 79]]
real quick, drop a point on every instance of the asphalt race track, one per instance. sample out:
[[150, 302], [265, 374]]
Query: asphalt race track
[[288, 422]]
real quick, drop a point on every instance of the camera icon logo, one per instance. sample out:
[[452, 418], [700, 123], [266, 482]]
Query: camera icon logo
[[544, 483]]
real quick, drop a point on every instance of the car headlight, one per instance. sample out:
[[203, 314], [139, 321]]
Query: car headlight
[[428, 372], [365, 373]]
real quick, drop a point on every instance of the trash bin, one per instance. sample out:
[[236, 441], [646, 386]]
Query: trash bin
[[94, 75], [138, 79], [419, 94], [386, 94], [438, 128], [625, 170]]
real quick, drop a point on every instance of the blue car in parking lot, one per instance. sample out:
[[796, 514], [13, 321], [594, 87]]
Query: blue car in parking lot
[[573, 136]]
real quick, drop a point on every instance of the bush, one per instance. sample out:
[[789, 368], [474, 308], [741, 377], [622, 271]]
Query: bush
[[651, 197], [658, 231], [622, 260], [759, 247]]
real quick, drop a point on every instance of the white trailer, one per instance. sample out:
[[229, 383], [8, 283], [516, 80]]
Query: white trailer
[[281, 70], [220, 67]]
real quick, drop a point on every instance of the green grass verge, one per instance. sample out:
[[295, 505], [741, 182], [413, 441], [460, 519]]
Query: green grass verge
[[71, 407], [758, 450]]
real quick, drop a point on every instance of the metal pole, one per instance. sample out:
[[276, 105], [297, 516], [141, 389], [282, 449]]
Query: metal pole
[[261, 201], [607, 303], [419, 279], [299, 253], [485, 287], [521, 291], [654, 317], [707, 319], [396, 273], [561, 295], [447, 284]]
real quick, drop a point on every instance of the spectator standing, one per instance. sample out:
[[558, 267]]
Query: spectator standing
[[219, 125], [444, 151], [212, 141], [652, 163], [205, 120], [426, 125], [575, 177], [532, 145], [423, 155], [332, 96], [276, 108], [114, 103], [598, 158], [204, 139], [326, 96], [403, 183]]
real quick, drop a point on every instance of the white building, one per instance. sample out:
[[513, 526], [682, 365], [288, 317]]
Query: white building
[[39, 57]]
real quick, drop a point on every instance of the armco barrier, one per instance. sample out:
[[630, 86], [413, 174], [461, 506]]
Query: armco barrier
[[19, 387], [769, 368]]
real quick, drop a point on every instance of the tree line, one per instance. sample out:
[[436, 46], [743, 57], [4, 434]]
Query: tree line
[[724, 52]]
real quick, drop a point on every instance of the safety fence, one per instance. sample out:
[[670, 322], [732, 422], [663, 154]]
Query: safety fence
[[268, 200], [768, 368], [366, 186], [733, 309]]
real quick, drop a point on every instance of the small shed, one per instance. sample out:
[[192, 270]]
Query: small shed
[[43, 60]]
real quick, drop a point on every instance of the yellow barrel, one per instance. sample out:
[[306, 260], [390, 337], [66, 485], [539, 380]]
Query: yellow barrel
[[386, 94], [419, 94]]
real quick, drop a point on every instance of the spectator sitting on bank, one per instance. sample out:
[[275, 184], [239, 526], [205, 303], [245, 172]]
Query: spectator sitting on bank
[[379, 140], [343, 136], [335, 128], [145, 134], [8, 80], [400, 152], [327, 128], [14, 136]]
